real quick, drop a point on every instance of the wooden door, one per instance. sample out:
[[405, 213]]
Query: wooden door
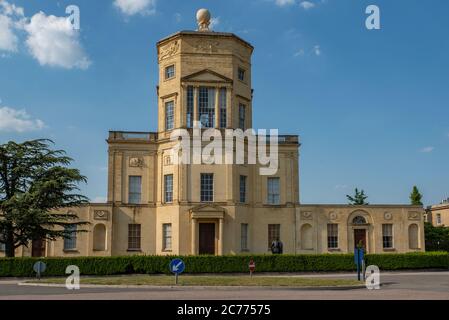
[[207, 238], [38, 248], [360, 237]]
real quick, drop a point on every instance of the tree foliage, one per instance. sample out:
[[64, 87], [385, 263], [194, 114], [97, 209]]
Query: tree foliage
[[416, 197], [34, 183], [359, 198], [437, 238]]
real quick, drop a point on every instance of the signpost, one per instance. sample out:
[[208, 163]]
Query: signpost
[[39, 267], [358, 260], [177, 267], [252, 267]]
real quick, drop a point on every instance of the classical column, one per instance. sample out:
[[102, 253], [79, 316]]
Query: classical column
[[220, 237], [217, 107], [194, 237], [195, 104]]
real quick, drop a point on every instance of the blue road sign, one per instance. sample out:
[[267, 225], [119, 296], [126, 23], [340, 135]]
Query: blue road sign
[[177, 266]]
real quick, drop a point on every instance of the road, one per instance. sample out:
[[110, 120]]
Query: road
[[395, 285]]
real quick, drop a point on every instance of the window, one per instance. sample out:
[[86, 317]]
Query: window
[[244, 236], [206, 104], [332, 236], [387, 236], [242, 110], [438, 218], [135, 189], [207, 187], [134, 236], [166, 236], [273, 191], [168, 187], [189, 107], [70, 241], [242, 189], [359, 220], [170, 72], [223, 107], [241, 74], [274, 233], [169, 115]]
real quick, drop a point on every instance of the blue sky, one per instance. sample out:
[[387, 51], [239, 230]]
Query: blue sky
[[371, 106]]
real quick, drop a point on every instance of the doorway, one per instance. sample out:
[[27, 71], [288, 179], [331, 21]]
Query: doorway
[[360, 237], [38, 248], [207, 238]]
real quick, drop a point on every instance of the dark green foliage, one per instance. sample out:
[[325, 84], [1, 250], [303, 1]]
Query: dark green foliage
[[34, 182], [23, 267], [359, 198], [416, 197], [437, 238]]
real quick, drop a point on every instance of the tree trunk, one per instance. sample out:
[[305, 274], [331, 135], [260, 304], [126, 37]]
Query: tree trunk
[[9, 245]]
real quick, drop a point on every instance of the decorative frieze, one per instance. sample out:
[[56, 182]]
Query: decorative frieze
[[101, 215], [136, 162]]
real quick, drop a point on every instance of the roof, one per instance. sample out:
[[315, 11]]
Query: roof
[[205, 34]]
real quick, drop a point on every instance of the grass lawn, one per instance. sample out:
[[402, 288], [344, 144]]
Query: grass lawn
[[163, 280]]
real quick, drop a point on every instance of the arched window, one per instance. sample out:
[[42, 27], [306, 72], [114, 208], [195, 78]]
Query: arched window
[[359, 220], [413, 239], [99, 237], [306, 237]]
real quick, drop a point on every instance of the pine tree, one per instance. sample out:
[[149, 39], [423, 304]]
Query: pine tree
[[415, 197], [358, 199], [34, 183]]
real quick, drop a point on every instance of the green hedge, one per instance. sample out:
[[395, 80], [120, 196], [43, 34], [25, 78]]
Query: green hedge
[[23, 267]]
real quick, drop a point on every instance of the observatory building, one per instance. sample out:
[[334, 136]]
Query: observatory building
[[158, 206]]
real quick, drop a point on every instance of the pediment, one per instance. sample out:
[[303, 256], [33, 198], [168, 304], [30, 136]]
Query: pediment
[[207, 211], [206, 75]]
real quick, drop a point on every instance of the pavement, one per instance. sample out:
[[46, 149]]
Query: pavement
[[420, 285]]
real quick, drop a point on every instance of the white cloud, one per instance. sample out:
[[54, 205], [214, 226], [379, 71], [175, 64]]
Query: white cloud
[[54, 42], [132, 7], [11, 18], [214, 22], [12, 120], [306, 5], [299, 53], [283, 3], [178, 17], [317, 50], [427, 149], [100, 200]]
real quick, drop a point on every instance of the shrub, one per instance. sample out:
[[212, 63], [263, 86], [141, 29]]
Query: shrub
[[23, 267]]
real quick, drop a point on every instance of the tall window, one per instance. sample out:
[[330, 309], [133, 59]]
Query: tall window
[[242, 116], [387, 236], [332, 236], [134, 236], [169, 115], [70, 242], [170, 72], [223, 106], [274, 233], [189, 106], [242, 189], [207, 187], [438, 218], [168, 187], [206, 104], [273, 196], [135, 189], [241, 74], [166, 236], [244, 236]]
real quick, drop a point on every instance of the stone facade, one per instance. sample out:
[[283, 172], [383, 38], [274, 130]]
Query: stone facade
[[188, 62], [438, 214]]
